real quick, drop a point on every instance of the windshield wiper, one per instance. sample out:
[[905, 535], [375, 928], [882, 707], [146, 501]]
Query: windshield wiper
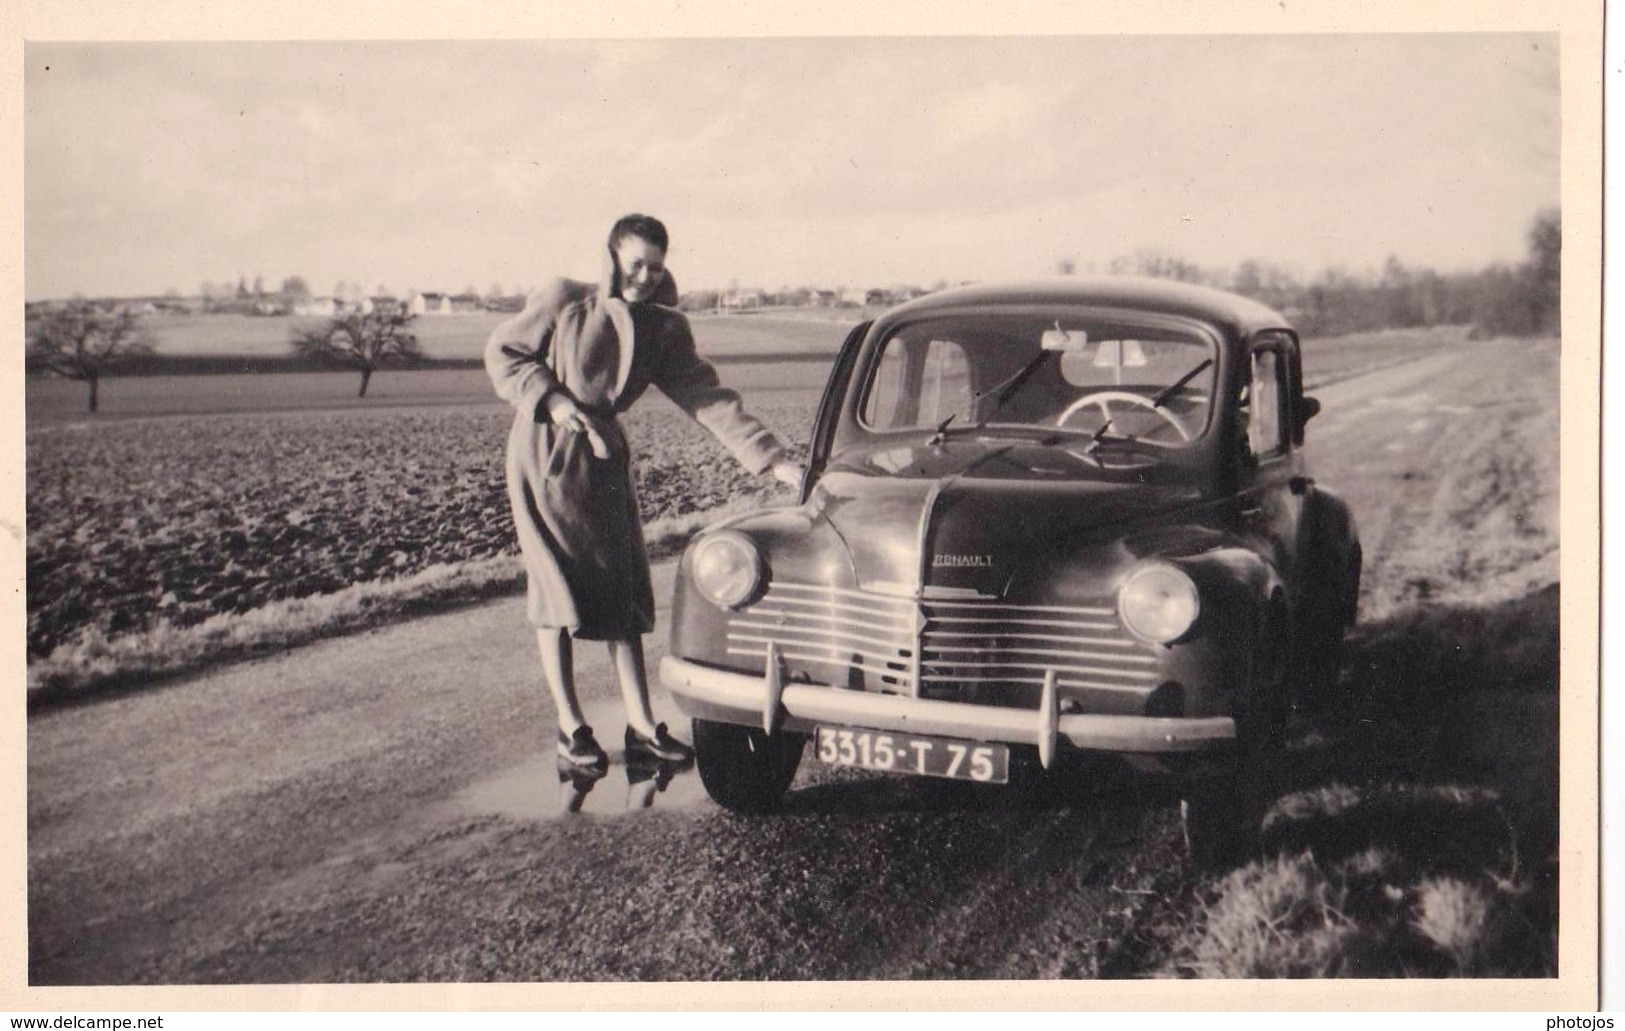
[[1161, 397], [1004, 391], [941, 432], [1001, 392]]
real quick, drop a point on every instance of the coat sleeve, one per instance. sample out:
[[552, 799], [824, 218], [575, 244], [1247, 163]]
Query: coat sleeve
[[692, 383], [516, 353]]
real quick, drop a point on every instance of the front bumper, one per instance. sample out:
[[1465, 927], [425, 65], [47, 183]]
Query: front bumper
[[704, 692]]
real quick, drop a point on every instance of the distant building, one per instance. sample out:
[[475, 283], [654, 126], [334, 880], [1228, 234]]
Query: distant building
[[464, 303], [431, 303], [318, 307]]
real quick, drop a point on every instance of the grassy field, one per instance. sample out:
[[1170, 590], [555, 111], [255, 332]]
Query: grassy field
[[450, 337]]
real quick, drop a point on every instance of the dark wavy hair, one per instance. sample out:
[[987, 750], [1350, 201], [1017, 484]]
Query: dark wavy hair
[[644, 227]]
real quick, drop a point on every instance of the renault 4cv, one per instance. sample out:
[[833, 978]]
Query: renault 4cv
[[1037, 517]]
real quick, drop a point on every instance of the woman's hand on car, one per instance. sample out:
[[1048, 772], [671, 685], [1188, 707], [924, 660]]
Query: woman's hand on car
[[564, 413], [789, 473]]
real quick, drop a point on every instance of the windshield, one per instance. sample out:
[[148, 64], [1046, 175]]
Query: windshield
[[1107, 378]]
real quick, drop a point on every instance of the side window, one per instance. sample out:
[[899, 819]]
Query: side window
[[1266, 396], [918, 383]]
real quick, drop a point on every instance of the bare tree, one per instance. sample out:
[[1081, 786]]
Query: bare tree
[[1151, 262], [294, 288], [84, 342], [360, 341]]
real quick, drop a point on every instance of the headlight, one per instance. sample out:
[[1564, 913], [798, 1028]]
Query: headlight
[[1158, 602], [727, 569]]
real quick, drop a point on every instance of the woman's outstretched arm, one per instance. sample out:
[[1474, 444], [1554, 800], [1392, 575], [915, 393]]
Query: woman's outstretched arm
[[692, 383]]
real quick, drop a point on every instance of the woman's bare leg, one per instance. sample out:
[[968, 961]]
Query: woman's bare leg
[[558, 669], [627, 657]]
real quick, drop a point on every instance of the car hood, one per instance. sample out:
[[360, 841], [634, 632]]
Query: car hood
[[965, 518]]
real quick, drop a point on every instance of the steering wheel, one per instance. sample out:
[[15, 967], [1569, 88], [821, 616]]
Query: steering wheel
[[1102, 399]]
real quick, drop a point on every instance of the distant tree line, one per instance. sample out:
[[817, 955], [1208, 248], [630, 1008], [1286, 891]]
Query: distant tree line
[[1500, 300]]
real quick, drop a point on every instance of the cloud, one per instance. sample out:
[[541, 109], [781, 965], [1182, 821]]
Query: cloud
[[795, 159], [987, 109]]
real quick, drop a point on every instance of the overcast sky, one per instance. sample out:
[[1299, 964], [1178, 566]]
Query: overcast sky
[[831, 162]]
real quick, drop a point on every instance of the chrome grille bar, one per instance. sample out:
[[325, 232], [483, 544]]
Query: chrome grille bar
[[1022, 620], [779, 631], [998, 606], [931, 646]]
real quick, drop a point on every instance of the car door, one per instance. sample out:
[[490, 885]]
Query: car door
[[1272, 487]]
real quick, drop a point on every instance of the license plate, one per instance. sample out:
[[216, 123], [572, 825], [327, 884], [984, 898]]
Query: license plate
[[913, 753]]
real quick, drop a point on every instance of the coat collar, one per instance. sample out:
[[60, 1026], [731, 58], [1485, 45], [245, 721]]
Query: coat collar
[[620, 313]]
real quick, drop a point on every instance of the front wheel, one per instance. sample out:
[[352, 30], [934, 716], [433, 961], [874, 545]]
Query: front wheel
[[1223, 813], [744, 769]]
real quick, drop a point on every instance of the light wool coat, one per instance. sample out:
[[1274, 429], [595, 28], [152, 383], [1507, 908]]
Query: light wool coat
[[577, 515]]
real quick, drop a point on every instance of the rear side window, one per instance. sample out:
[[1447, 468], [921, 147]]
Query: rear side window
[[1266, 394]]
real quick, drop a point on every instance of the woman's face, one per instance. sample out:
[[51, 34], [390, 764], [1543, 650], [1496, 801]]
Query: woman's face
[[642, 266]]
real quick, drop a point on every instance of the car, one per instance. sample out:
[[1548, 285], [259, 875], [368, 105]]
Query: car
[[1040, 518]]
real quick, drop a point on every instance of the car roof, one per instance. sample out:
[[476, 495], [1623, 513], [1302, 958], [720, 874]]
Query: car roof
[[1239, 314]]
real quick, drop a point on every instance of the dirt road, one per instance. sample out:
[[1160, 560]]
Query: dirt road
[[382, 807]]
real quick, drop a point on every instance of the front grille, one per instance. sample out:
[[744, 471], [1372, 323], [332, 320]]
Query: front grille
[[972, 647]]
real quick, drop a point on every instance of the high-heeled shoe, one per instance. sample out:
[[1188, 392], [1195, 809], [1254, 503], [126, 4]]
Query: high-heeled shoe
[[582, 749], [661, 746]]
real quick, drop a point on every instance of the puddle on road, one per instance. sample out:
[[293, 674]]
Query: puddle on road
[[542, 790]]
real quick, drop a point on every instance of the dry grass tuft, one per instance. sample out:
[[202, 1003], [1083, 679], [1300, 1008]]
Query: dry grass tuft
[[1454, 915], [1278, 918], [1387, 908]]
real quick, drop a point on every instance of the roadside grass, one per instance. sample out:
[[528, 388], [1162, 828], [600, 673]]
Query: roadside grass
[[1415, 833], [97, 663]]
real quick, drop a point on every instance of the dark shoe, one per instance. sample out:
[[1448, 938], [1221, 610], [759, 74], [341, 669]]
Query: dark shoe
[[582, 749], [662, 747]]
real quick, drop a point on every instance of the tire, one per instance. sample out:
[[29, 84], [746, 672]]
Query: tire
[[1223, 812], [1320, 658], [1318, 651], [744, 769]]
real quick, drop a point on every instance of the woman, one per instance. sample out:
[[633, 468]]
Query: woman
[[575, 358]]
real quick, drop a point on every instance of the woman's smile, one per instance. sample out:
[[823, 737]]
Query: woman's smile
[[642, 265]]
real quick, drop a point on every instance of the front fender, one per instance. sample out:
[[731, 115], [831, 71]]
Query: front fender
[[1333, 580], [793, 544], [1212, 661]]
